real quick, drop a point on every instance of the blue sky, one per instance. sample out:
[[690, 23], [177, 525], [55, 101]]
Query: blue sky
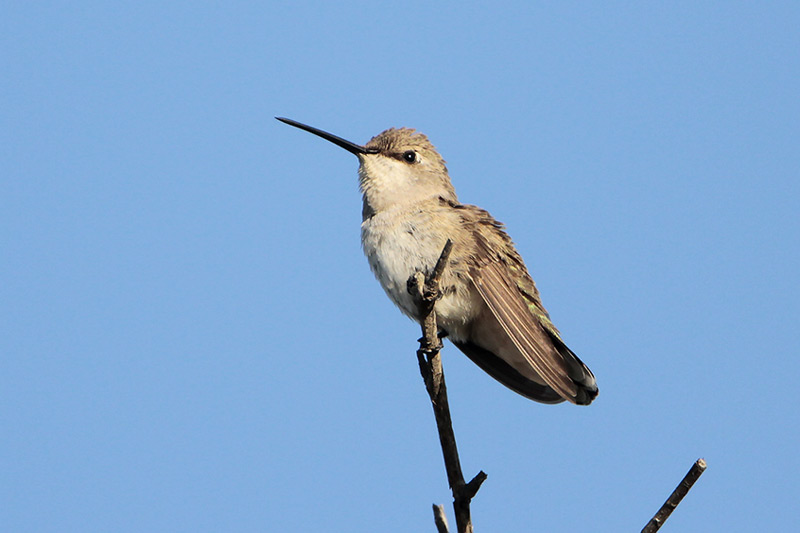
[[192, 341]]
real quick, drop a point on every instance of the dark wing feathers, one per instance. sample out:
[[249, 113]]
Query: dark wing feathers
[[507, 375], [501, 278], [530, 338]]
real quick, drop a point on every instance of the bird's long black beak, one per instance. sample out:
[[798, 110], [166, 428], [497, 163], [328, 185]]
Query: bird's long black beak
[[353, 148]]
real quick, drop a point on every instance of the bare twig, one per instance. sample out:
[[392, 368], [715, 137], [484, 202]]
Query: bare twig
[[675, 498], [440, 518], [425, 291], [430, 365]]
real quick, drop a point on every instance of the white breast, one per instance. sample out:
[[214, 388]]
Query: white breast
[[397, 246]]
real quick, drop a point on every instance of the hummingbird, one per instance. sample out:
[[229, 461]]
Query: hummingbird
[[489, 308]]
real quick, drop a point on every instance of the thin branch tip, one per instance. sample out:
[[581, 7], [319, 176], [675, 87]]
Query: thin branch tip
[[440, 518], [443, 259], [471, 488], [677, 495]]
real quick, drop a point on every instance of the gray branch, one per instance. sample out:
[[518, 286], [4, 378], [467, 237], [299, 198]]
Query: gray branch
[[426, 292], [675, 498], [440, 518]]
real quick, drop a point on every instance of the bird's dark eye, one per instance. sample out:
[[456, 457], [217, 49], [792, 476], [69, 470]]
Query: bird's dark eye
[[410, 156]]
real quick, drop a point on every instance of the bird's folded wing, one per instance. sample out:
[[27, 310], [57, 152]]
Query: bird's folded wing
[[528, 334]]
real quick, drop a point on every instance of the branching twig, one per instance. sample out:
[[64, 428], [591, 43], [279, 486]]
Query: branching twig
[[675, 498], [426, 290]]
